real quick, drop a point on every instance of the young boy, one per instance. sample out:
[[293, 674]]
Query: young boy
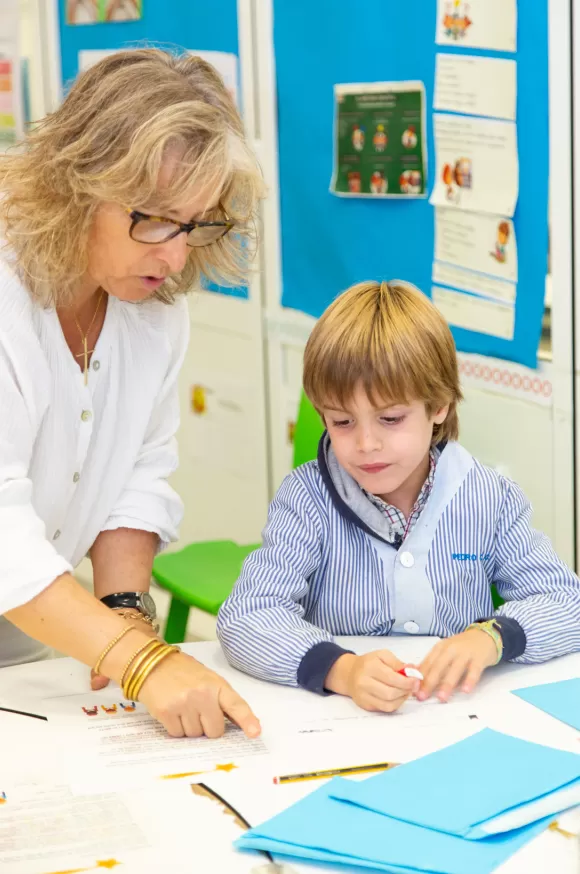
[[395, 529]]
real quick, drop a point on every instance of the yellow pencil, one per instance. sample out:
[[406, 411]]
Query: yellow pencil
[[334, 772]]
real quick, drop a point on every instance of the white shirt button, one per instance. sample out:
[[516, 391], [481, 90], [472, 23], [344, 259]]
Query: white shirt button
[[411, 627], [86, 415], [76, 477], [96, 365], [56, 535], [407, 559]]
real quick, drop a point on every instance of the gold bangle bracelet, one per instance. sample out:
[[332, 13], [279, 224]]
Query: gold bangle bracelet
[[110, 646], [134, 687], [129, 688], [142, 662], [161, 656], [139, 660], [143, 665], [143, 647]]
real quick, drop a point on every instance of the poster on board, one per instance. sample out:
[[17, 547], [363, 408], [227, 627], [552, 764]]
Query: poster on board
[[475, 314], [475, 85], [11, 96], [476, 164], [8, 99], [380, 145], [475, 241], [479, 284], [478, 24], [103, 11]]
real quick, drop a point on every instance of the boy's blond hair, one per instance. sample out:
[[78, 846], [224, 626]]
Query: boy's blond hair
[[389, 338]]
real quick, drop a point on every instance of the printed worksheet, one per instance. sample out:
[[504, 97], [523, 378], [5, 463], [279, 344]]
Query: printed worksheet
[[106, 744], [480, 24], [476, 164], [474, 85]]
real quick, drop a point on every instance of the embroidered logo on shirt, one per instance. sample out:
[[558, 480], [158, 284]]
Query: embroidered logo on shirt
[[470, 556]]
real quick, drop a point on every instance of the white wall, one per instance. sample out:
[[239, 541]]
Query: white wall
[[223, 472]]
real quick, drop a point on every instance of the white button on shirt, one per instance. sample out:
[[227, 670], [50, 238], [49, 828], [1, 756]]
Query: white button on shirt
[[407, 559], [411, 627], [114, 439]]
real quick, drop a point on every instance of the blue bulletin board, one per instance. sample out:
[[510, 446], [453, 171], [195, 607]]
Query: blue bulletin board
[[328, 242], [191, 24]]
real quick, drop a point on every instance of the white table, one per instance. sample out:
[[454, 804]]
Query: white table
[[424, 729]]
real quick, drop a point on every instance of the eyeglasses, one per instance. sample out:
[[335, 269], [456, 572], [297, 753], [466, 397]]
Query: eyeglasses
[[156, 229]]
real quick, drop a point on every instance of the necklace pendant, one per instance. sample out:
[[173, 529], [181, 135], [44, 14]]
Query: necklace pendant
[[86, 355]]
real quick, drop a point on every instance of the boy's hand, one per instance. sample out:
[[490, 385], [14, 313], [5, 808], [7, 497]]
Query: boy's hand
[[371, 680], [461, 659]]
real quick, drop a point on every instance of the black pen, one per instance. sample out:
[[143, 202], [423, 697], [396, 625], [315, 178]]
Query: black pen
[[23, 713]]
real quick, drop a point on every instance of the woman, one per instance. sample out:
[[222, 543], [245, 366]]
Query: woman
[[121, 202]]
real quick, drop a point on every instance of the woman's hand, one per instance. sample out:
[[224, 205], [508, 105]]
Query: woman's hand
[[461, 659], [371, 680], [190, 700], [185, 696]]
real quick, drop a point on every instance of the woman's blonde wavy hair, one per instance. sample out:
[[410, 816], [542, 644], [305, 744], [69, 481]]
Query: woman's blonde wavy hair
[[106, 143]]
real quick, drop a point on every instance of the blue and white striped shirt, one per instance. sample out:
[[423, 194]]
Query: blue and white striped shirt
[[321, 572]]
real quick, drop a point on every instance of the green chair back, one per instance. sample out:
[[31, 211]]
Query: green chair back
[[201, 574]]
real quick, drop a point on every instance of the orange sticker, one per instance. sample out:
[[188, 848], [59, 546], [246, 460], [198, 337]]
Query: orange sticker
[[198, 400]]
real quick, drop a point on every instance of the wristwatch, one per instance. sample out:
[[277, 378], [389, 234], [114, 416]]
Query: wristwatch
[[141, 601]]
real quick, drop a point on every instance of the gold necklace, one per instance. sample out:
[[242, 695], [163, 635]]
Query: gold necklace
[[84, 337]]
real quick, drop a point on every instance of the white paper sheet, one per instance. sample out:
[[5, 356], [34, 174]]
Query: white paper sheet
[[225, 63], [102, 749], [482, 24], [476, 164], [467, 242], [474, 85], [476, 241], [475, 313], [43, 828], [476, 283], [554, 802]]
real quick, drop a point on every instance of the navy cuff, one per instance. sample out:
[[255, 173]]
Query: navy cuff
[[316, 664], [513, 636]]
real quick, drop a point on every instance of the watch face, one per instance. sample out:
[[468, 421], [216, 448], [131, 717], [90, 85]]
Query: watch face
[[149, 604]]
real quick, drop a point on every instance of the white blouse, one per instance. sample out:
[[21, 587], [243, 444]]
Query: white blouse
[[76, 460]]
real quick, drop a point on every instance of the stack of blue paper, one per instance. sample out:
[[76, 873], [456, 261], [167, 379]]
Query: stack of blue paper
[[465, 808]]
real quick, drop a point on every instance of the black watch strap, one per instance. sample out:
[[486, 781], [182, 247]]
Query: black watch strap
[[141, 601]]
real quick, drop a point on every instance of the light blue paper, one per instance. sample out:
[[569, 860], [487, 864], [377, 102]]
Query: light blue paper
[[457, 789], [281, 851], [323, 828], [561, 700]]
